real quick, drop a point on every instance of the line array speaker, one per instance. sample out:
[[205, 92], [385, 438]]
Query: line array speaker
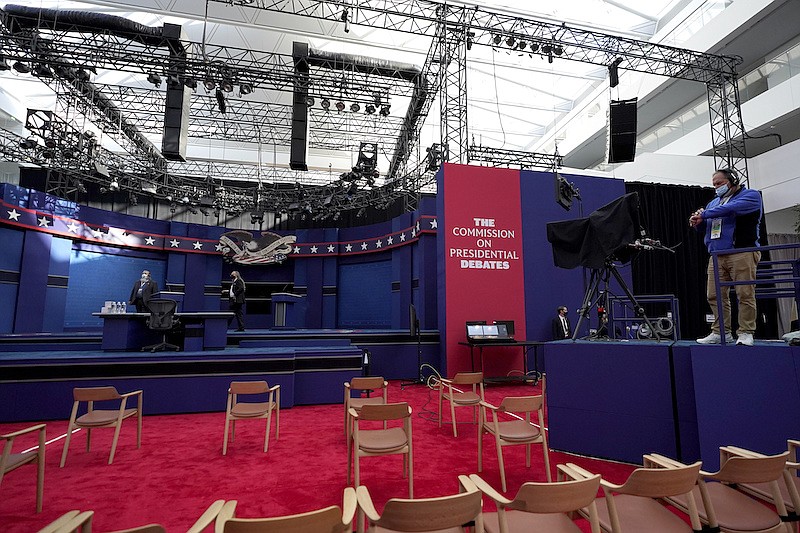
[[622, 131], [299, 142]]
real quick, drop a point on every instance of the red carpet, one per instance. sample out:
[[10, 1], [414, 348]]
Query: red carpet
[[180, 469]]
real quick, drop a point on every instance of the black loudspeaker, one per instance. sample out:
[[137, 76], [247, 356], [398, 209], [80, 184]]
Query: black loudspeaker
[[176, 123], [622, 131], [299, 143]]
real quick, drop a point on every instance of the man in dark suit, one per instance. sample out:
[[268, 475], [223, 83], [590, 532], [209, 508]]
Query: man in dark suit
[[142, 291], [236, 299], [561, 326]]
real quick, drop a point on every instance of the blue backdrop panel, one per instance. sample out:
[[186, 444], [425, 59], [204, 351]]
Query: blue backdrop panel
[[610, 399], [33, 282], [10, 261], [97, 277], [365, 295], [56, 295], [686, 409], [746, 397], [546, 285]]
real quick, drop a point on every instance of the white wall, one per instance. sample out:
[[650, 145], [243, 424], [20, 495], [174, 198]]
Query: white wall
[[777, 175]]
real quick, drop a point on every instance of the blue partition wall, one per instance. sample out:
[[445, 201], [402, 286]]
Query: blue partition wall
[[10, 263], [366, 295]]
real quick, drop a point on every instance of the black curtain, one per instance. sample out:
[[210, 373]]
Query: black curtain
[[665, 211]]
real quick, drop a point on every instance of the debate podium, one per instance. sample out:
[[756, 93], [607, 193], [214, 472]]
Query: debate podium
[[288, 309]]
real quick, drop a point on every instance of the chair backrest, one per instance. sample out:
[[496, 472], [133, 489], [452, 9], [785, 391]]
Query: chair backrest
[[468, 378], [561, 497], [753, 469], [662, 482], [367, 383], [162, 313], [522, 404], [95, 394], [328, 520], [249, 387], [388, 411], [431, 514]]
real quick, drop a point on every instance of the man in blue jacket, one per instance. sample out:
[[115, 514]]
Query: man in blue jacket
[[730, 221]]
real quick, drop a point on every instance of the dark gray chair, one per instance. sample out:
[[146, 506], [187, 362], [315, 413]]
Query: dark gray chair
[[163, 319]]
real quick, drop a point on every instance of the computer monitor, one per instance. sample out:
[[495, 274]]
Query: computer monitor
[[509, 324], [474, 330]]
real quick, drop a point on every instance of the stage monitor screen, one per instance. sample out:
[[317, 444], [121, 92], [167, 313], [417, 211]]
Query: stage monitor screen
[[509, 325], [474, 330]]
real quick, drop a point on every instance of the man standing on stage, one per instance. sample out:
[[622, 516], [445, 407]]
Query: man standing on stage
[[143, 290], [236, 299], [731, 220], [561, 327]]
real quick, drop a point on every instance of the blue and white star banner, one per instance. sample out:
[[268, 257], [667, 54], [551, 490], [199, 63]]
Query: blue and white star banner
[[34, 220]]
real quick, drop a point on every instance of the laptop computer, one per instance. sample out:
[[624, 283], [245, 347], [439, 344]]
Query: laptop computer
[[478, 333]]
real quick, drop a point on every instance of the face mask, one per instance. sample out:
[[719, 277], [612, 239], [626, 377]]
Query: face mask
[[722, 190]]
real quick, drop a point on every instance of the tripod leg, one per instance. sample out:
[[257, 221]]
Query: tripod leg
[[583, 312], [636, 307]]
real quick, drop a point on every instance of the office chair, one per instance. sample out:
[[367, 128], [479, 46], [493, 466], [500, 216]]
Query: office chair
[[162, 318]]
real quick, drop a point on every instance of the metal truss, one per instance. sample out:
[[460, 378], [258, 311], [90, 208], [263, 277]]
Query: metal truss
[[453, 87], [510, 158], [482, 26], [727, 129]]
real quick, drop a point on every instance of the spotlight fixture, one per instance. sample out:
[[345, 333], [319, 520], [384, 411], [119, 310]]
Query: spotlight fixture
[[226, 86], [310, 101], [370, 109], [65, 72], [510, 41], [4, 64], [534, 46], [384, 112], [470, 38], [47, 153], [133, 200], [257, 217], [114, 185], [82, 74], [497, 39], [340, 106], [80, 187], [209, 83], [173, 81], [173, 207], [547, 49], [28, 144], [42, 71], [68, 153], [191, 83], [21, 67], [50, 142], [354, 107], [245, 88], [326, 104], [154, 78], [521, 45], [558, 49]]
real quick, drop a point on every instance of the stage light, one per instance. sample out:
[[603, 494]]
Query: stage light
[[80, 187], [470, 37], [221, 105], [154, 78], [510, 41], [558, 49], [497, 39], [245, 89], [226, 86], [48, 153], [21, 67], [326, 104], [133, 200], [521, 46], [354, 107], [534, 46], [4, 64], [209, 83], [310, 101], [547, 49], [370, 109], [50, 142], [190, 83], [82, 74], [114, 185], [361, 212], [28, 144], [68, 153], [65, 72], [257, 217], [173, 207], [384, 112], [42, 71], [340, 106], [173, 81]]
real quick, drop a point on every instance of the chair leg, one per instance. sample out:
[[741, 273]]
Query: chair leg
[[547, 462], [225, 438], [139, 429], [500, 463], [480, 445], [88, 439], [453, 417], [527, 456], [277, 417], [349, 459], [440, 407], [114, 442], [66, 444], [357, 473], [410, 473], [266, 437], [40, 482]]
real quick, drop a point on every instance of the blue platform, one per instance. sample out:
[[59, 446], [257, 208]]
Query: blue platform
[[621, 399]]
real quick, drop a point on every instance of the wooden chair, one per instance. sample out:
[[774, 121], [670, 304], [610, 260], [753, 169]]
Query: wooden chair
[[516, 431], [724, 507], [362, 384], [74, 520], [445, 514], [542, 506], [388, 441], [468, 398], [333, 519], [632, 506], [237, 410], [12, 461], [102, 418], [790, 488]]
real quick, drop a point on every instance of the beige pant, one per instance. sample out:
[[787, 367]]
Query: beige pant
[[735, 267]]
